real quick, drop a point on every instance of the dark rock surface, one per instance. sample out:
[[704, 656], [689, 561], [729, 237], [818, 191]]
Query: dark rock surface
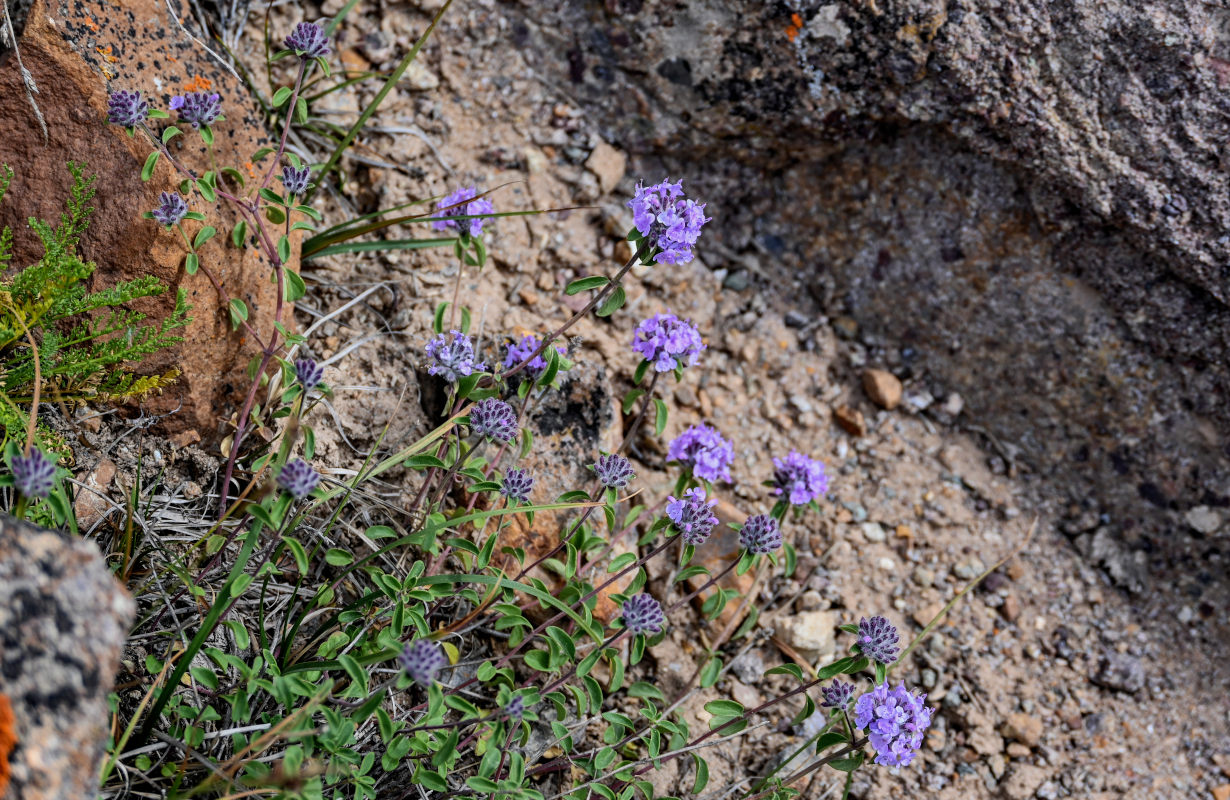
[[63, 620], [1025, 205]]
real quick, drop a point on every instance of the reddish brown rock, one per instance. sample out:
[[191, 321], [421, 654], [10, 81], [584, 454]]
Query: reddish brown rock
[[77, 52], [851, 420], [882, 387]]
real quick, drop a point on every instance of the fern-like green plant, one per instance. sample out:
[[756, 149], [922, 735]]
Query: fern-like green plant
[[85, 342]]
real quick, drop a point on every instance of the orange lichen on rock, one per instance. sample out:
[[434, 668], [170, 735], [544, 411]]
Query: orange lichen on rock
[[8, 739], [796, 25], [199, 83]]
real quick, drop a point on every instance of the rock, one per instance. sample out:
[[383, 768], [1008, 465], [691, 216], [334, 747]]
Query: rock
[[1023, 727], [1203, 519], [1121, 672], [1221, 792], [608, 165], [92, 504], [810, 633], [851, 420], [922, 576], [923, 616], [418, 78], [63, 622], [873, 532], [936, 739], [1023, 781], [749, 667], [1018, 750], [969, 568], [1011, 608], [67, 54], [997, 764], [882, 387]]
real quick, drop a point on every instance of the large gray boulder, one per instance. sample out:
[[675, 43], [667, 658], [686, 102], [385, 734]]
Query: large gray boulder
[[63, 622]]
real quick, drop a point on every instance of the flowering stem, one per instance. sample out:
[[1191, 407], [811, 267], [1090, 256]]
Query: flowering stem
[[640, 417], [598, 298], [290, 116]]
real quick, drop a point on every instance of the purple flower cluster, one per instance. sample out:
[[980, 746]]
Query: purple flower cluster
[[494, 419], [800, 478], [422, 659], [452, 355], [171, 208], [706, 451], [643, 614], [668, 342], [515, 708], [455, 205], [34, 475], [308, 40], [296, 181], [667, 221], [517, 485], [877, 639], [309, 373], [298, 478], [838, 695], [895, 720], [524, 349], [760, 535], [692, 515], [613, 471], [127, 109], [197, 108]]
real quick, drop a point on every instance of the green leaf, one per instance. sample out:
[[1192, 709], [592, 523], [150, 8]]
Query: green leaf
[[234, 175], [294, 285], [847, 764], [275, 215], [702, 774], [709, 675], [630, 399], [641, 369], [437, 323], [585, 284], [239, 313], [301, 110], [539, 660], [191, 263], [239, 233], [338, 558], [787, 669], [203, 236], [147, 171], [207, 134], [298, 553], [170, 133], [206, 190], [724, 708], [284, 248], [281, 96], [613, 302], [659, 423], [621, 561], [829, 739]]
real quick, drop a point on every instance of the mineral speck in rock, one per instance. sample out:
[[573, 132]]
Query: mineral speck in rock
[[1120, 672]]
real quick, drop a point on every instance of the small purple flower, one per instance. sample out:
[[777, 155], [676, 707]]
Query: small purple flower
[[298, 478], [668, 342], [667, 221], [494, 419], [896, 720], [452, 355], [760, 535], [838, 695], [515, 708], [171, 208], [524, 349], [692, 515], [308, 40], [613, 471], [643, 614], [422, 659], [801, 478], [127, 109], [296, 181], [197, 108], [34, 475], [309, 373], [877, 638], [454, 205], [517, 485], [705, 450]]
